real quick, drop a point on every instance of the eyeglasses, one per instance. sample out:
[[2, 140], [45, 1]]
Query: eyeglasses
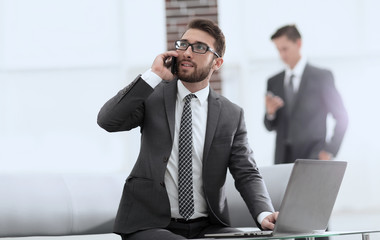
[[197, 47]]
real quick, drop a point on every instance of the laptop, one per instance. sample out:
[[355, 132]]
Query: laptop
[[308, 200]]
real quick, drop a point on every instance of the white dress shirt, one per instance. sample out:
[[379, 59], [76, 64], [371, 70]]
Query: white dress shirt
[[199, 108], [297, 71]]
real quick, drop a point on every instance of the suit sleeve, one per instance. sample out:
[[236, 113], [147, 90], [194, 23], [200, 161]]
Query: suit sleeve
[[125, 110], [335, 106], [248, 180]]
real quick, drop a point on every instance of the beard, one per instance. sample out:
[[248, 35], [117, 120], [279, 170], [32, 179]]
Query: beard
[[197, 76]]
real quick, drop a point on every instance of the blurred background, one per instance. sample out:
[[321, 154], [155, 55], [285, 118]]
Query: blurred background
[[61, 60]]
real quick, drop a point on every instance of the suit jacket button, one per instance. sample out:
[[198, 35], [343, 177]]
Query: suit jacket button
[[162, 184], [166, 159]]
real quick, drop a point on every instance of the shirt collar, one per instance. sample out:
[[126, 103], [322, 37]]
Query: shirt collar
[[298, 69], [202, 94]]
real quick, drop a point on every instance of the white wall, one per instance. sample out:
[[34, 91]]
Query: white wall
[[61, 60]]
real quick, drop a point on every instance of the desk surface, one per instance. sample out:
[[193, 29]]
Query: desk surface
[[311, 236]]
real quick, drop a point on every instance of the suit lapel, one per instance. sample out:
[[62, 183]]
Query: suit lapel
[[170, 94], [280, 91], [214, 106]]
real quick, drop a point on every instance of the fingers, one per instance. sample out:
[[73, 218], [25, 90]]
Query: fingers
[[165, 58], [278, 101], [161, 65], [275, 215], [273, 103], [274, 100], [269, 222], [323, 155], [267, 225]]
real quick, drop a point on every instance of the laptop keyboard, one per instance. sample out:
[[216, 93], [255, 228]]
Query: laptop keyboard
[[241, 234], [254, 233]]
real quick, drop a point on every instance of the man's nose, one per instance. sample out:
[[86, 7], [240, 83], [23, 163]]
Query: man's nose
[[188, 52]]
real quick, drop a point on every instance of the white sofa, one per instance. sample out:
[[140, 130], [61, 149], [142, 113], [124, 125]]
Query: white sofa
[[58, 204], [82, 204]]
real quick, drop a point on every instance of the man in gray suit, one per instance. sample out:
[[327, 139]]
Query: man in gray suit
[[151, 206], [298, 102]]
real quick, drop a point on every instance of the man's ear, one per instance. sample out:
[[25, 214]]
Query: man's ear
[[218, 63], [299, 42]]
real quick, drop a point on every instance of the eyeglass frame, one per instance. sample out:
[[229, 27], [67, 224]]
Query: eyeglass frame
[[192, 48]]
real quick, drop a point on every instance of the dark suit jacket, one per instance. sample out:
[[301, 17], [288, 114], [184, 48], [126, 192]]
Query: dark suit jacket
[[145, 202], [306, 127]]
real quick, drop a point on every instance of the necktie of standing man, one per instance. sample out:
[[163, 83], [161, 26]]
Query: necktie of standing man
[[289, 93], [185, 168], [289, 97]]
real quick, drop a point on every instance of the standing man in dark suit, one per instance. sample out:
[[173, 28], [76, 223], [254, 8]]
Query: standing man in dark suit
[[157, 101], [298, 102]]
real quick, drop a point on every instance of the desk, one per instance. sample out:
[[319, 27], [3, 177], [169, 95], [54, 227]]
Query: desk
[[365, 235]]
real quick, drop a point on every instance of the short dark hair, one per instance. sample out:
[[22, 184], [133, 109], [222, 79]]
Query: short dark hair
[[213, 29], [290, 31]]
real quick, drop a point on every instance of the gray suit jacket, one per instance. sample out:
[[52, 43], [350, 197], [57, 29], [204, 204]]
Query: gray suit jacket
[[145, 202], [306, 127]]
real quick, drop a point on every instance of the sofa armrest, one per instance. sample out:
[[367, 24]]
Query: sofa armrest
[[58, 204]]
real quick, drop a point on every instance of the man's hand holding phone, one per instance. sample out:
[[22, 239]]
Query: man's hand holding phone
[[162, 65], [273, 103]]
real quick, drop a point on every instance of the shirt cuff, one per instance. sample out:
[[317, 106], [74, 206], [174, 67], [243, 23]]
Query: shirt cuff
[[151, 78], [270, 117], [263, 215]]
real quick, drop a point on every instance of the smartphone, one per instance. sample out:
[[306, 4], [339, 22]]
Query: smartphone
[[173, 67]]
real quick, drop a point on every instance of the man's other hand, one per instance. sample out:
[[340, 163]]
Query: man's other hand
[[269, 221], [273, 103], [323, 155]]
